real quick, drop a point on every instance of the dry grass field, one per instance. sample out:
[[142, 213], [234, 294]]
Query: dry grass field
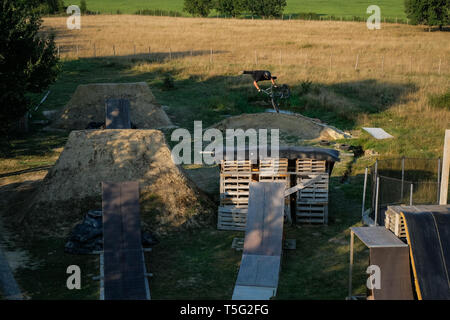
[[393, 70]]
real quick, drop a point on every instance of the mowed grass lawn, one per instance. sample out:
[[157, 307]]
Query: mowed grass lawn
[[398, 68], [349, 8]]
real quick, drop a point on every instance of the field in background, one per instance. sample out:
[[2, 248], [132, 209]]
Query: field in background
[[339, 72], [358, 77], [349, 8]]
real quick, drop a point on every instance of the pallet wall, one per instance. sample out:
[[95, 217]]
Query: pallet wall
[[312, 201]]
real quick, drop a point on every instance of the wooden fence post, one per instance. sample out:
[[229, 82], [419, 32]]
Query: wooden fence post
[[445, 169]]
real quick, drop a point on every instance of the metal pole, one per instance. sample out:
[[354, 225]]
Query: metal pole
[[438, 179], [350, 269], [411, 195], [364, 193], [376, 201], [373, 183], [403, 178]]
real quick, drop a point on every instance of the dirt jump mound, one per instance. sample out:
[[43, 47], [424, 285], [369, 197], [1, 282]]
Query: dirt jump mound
[[90, 157], [293, 128], [88, 105]]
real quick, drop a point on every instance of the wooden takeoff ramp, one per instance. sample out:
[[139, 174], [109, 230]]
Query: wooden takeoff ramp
[[122, 261], [261, 258]]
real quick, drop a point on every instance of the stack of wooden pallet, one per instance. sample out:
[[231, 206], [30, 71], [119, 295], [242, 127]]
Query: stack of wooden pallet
[[235, 178], [312, 201], [394, 221], [272, 169]]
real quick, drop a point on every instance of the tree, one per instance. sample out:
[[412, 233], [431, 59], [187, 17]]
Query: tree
[[428, 12], [55, 6], [265, 8], [28, 60], [198, 7], [83, 7], [230, 7]]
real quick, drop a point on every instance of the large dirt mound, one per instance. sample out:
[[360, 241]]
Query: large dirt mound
[[290, 126], [73, 186], [88, 105]]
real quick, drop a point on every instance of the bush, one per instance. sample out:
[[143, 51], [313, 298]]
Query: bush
[[168, 83]]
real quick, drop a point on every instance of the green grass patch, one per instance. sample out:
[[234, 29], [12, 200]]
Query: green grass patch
[[441, 101], [337, 8]]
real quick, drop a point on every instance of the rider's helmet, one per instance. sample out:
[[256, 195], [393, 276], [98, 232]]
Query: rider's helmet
[[267, 75]]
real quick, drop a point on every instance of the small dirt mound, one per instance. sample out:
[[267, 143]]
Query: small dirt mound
[[290, 125], [73, 186], [88, 105]]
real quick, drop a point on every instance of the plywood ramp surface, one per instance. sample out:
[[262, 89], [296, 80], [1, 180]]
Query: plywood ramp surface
[[124, 277], [260, 265]]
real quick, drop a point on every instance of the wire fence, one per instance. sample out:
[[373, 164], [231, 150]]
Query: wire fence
[[401, 181]]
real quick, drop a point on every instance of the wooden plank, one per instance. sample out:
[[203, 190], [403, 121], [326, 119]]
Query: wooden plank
[[253, 293], [123, 266], [377, 237], [118, 114], [264, 229], [259, 271]]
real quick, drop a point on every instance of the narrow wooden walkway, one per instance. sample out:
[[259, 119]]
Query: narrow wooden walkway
[[261, 259]]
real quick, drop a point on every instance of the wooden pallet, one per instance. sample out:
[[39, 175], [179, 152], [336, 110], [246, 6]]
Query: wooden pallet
[[312, 213], [395, 222], [231, 218], [234, 186], [273, 169], [317, 193], [310, 165], [312, 201]]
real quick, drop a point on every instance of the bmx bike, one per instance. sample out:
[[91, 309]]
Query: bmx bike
[[277, 95]]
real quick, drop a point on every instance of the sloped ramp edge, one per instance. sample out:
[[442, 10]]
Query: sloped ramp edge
[[428, 235]]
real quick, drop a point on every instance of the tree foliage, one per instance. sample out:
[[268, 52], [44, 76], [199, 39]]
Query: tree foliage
[[428, 12], [200, 8], [28, 59], [230, 7], [83, 7], [265, 8]]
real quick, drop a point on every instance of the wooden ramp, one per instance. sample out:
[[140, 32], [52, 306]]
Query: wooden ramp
[[391, 255], [428, 234], [118, 114], [124, 274], [261, 259]]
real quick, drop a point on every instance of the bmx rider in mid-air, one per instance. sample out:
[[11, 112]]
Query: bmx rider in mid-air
[[261, 75]]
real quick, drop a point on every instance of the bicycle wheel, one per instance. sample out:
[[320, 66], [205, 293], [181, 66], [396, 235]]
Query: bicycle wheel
[[275, 104], [285, 91]]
